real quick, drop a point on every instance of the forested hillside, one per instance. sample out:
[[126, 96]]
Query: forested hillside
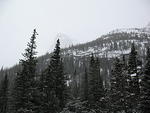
[[107, 75]]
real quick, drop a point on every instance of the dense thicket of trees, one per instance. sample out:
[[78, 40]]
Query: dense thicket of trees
[[4, 95], [119, 88], [56, 91], [145, 86], [133, 75], [96, 89]]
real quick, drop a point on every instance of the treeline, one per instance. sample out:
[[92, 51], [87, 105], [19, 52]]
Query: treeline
[[53, 91]]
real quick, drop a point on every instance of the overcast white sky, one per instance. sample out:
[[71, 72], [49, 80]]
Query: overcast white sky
[[81, 20]]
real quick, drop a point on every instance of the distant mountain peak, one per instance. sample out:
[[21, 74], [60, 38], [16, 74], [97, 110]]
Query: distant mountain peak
[[148, 25], [147, 28], [65, 40]]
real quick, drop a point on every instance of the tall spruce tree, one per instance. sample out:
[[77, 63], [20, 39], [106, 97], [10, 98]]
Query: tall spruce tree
[[92, 77], [85, 86], [132, 63], [24, 86], [145, 86], [96, 89], [114, 86], [4, 95], [133, 77], [124, 62], [49, 101], [53, 84], [58, 72], [118, 93], [99, 79], [148, 54], [74, 85]]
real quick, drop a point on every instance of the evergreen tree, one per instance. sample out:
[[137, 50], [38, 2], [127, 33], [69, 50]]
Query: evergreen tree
[[145, 87], [115, 46], [148, 54], [4, 95], [25, 80], [124, 63], [118, 92], [133, 78], [57, 71], [99, 79], [126, 102], [132, 63], [49, 101], [75, 90], [96, 89], [92, 78], [53, 84], [85, 86]]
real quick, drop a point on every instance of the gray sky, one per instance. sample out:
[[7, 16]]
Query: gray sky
[[80, 20]]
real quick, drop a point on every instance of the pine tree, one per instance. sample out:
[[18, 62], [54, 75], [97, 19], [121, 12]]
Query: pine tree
[[115, 46], [58, 72], [53, 84], [92, 78], [49, 101], [85, 86], [124, 62], [148, 54], [133, 77], [125, 87], [96, 89], [118, 92], [25, 80], [74, 85], [99, 79], [132, 63], [145, 87], [4, 95]]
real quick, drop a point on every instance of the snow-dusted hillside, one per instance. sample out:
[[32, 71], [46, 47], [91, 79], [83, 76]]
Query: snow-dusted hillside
[[147, 28], [113, 44]]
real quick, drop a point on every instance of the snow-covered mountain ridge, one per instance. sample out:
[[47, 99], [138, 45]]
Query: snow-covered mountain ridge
[[113, 44], [145, 30], [131, 30]]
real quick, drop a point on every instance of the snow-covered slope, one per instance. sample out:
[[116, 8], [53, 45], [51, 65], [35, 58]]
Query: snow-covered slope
[[130, 30], [147, 28], [113, 44]]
